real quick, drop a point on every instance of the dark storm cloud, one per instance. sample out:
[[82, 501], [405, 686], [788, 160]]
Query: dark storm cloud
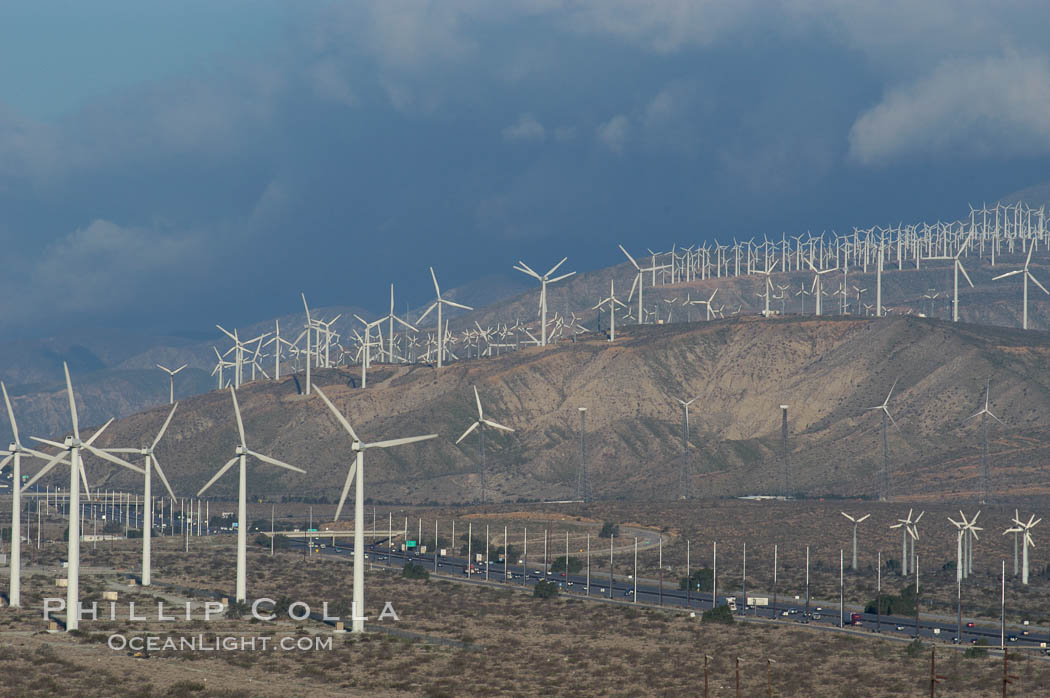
[[375, 139]]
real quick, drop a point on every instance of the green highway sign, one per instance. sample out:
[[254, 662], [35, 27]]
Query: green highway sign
[[410, 543]]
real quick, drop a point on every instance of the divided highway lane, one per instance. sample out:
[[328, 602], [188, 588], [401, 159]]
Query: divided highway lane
[[649, 593]]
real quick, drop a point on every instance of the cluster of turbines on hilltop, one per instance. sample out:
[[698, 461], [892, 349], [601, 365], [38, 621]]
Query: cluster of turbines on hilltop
[[989, 233], [72, 450]]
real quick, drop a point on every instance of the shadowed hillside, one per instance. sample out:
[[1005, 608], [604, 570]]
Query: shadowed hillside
[[829, 371]]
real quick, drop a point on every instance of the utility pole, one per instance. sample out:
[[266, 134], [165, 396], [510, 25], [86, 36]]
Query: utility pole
[[582, 485], [784, 449]]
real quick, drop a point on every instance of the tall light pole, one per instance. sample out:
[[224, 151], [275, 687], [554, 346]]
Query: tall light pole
[[582, 485], [784, 445]]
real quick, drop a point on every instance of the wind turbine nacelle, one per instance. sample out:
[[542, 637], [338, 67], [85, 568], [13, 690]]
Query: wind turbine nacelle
[[144, 451], [357, 446], [13, 447], [241, 451], [68, 441]]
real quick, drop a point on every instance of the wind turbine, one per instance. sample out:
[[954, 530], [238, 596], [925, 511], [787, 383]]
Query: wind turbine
[[74, 446], [544, 280], [855, 522], [390, 331], [482, 423], [683, 484], [613, 301], [1026, 529], [357, 470], [908, 526], [14, 455], [816, 290], [884, 477], [639, 282], [769, 283], [707, 304], [242, 453], [964, 544], [147, 452], [1027, 276], [440, 328], [983, 413], [171, 381]]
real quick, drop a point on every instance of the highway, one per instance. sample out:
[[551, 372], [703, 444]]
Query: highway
[[622, 590]]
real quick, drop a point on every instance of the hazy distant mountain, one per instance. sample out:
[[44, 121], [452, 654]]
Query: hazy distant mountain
[[829, 370]]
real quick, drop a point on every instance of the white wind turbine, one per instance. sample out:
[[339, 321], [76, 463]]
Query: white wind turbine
[[769, 283], [357, 470], [683, 478], [13, 455], [242, 453], [884, 476], [391, 317], [855, 522], [983, 413], [171, 381], [544, 280], [964, 544], [613, 301], [1027, 276], [441, 329], [639, 282], [816, 290], [908, 527], [482, 423], [148, 452], [1024, 528], [74, 446], [707, 304]]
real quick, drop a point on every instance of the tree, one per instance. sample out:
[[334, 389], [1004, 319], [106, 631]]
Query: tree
[[720, 614], [558, 566], [609, 529], [701, 579], [414, 570], [545, 590], [902, 604]]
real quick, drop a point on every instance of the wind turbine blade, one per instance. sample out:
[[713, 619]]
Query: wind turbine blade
[[630, 257], [525, 269], [113, 459], [338, 415], [55, 460], [306, 307], [477, 399], [227, 333], [216, 476], [98, 433], [555, 267], [863, 517], [559, 278], [274, 461], [49, 442], [437, 289], [1036, 282], [496, 425], [965, 275], [10, 412], [471, 428], [160, 472], [847, 516], [72, 402], [346, 489], [179, 369], [891, 391], [7, 460], [399, 442], [164, 428], [1031, 248], [164, 368], [456, 305], [84, 481], [1009, 273], [237, 411]]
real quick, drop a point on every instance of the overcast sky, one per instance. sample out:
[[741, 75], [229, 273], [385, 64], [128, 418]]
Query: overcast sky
[[173, 165]]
